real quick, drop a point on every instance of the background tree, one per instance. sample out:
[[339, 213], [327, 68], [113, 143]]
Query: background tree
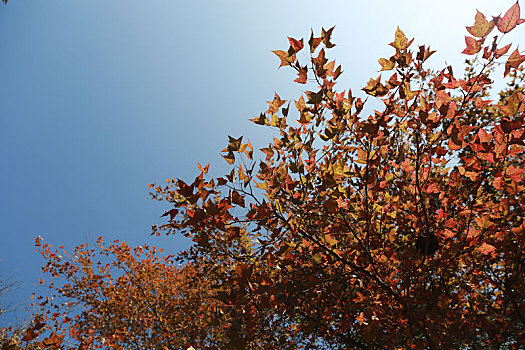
[[400, 227]]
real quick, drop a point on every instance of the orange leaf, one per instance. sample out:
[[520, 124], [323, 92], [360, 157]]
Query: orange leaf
[[203, 169], [275, 104], [361, 318], [285, 58], [230, 157], [479, 103], [514, 103]]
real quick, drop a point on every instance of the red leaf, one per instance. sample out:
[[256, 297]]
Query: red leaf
[[514, 173], [30, 335], [514, 61], [498, 183], [303, 75], [510, 20], [172, 213], [39, 325], [473, 46], [314, 42], [432, 188], [479, 103], [500, 52], [486, 249], [297, 45], [483, 136]]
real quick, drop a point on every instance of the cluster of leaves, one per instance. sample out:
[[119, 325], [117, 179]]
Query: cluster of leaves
[[399, 229], [121, 297]]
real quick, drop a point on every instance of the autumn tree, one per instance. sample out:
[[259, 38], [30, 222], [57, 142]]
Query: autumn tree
[[401, 227]]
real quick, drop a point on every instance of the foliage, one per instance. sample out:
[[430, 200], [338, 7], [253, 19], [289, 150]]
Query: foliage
[[402, 228]]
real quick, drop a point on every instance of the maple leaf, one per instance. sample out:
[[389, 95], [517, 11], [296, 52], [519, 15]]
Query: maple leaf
[[326, 36], [260, 120], [514, 103], [297, 45], [407, 93], [486, 249], [386, 64], [514, 173], [514, 61], [510, 20], [375, 88], [314, 42], [507, 126], [303, 76], [500, 52], [481, 27], [473, 45], [275, 104], [285, 57], [314, 97], [400, 40], [234, 144], [424, 53], [30, 335], [203, 169], [361, 318], [53, 340], [229, 157]]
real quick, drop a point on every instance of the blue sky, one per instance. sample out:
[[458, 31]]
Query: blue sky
[[100, 98]]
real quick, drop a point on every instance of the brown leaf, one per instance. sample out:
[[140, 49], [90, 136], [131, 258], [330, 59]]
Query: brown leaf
[[481, 27]]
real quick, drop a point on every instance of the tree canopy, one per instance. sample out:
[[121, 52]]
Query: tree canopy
[[398, 228]]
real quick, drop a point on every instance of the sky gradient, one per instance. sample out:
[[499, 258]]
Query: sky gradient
[[100, 98]]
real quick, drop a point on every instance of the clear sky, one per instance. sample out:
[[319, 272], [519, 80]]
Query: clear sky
[[100, 98]]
